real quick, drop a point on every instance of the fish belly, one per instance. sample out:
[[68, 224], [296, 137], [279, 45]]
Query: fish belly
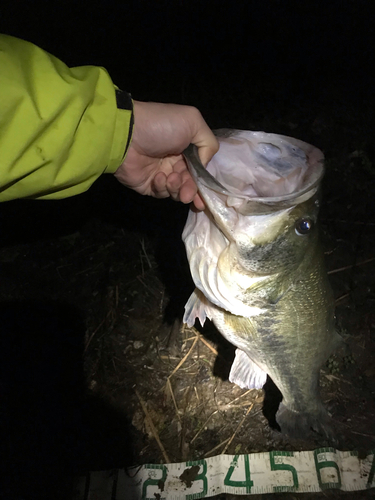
[[292, 361]]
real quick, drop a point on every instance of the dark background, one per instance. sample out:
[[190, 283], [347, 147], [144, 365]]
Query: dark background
[[148, 47]]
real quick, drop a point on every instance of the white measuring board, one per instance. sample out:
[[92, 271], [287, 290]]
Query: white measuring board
[[256, 473]]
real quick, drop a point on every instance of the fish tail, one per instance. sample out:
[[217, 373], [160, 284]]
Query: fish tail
[[301, 424]]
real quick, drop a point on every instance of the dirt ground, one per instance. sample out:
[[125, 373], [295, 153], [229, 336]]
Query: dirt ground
[[91, 299]]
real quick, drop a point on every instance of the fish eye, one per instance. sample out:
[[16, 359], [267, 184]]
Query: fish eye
[[303, 226]]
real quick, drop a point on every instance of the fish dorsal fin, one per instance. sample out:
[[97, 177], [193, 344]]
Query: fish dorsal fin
[[246, 373]]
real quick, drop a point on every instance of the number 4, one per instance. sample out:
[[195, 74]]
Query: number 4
[[247, 483]]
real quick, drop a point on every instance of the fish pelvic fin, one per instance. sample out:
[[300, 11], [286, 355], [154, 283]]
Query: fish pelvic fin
[[302, 424], [196, 307], [246, 373]]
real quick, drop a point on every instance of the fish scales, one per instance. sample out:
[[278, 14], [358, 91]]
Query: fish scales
[[258, 266]]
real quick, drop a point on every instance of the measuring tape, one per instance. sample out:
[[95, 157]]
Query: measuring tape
[[256, 473]]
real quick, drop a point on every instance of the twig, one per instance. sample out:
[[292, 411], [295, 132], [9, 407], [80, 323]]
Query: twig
[[173, 399], [333, 271], [152, 427], [190, 338], [93, 333], [203, 426], [342, 297], [150, 289], [363, 434], [241, 396], [145, 253], [92, 268], [237, 429], [230, 406], [332, 377], [183, 428], [196, 392], [216, 447], [184, 358], [161, 301], [202, 339]]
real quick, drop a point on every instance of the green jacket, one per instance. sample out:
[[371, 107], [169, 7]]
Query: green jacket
[[60, 127]]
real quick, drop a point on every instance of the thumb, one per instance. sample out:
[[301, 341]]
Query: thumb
[[204, 139]]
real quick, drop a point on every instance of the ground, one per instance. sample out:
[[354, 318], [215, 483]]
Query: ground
[[95, 360]]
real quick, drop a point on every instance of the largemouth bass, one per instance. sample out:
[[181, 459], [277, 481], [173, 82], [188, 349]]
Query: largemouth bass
[[258, 268]]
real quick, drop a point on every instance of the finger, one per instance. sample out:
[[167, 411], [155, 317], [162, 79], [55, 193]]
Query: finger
[[174, 183], [206, 153], [199, 203], [188, 191], [204, 138], [159, 186]]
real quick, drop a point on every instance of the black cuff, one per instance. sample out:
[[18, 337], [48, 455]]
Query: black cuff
[[124, 101]]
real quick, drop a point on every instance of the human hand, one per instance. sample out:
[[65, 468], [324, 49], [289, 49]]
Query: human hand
[[154, 164]]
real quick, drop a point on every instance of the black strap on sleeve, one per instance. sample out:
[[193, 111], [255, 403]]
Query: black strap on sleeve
[[124, 101]]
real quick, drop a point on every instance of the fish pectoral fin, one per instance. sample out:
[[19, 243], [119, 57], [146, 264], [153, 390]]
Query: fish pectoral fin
[[195, 307], [246, 373]]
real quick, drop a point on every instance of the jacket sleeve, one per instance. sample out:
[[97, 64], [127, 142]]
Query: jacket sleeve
[[60, 127]]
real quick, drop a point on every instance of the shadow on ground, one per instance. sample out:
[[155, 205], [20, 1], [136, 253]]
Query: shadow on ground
[[50, 428]]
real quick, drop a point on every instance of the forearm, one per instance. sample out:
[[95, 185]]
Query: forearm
[[60, 127]]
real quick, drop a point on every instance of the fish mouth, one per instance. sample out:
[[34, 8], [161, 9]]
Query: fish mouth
[[252, 205]]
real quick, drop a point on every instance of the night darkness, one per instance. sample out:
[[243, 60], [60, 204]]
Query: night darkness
[[241, 63], [303, 69], [151, 48]]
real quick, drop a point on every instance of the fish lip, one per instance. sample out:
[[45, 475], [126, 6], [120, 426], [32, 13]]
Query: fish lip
[[201, 175]]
